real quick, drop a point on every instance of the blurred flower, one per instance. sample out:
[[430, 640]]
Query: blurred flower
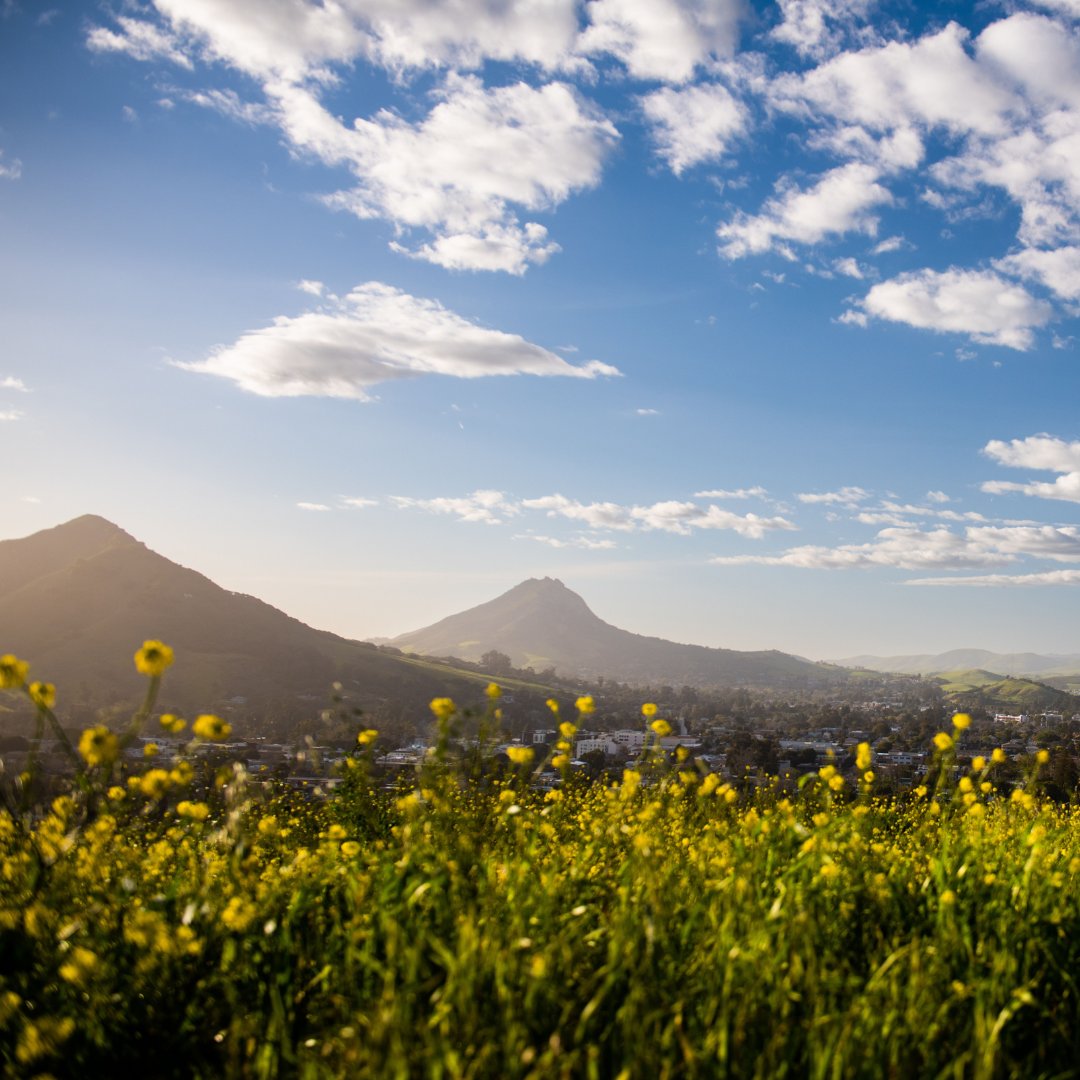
[[153, 658]]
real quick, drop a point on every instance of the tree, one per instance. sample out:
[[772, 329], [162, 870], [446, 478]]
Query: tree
[[496, 663]]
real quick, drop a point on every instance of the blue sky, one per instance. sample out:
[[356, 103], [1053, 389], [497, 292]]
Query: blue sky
[[753, 324]]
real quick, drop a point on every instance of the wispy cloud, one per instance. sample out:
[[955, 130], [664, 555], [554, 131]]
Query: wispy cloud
[[313, 506], [1043, 453], [375, 334]]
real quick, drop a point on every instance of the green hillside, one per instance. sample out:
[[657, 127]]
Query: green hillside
[[988, 690]]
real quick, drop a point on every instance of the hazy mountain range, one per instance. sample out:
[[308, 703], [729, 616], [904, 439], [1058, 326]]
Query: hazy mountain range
[[543, 624], [1025, 663]]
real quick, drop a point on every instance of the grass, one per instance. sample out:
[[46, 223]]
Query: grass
[[185, 921]]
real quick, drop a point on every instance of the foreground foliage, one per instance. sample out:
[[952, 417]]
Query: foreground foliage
[[188, 922]]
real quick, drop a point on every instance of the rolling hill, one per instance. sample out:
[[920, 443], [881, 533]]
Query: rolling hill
[[543, 624], [78, 599]]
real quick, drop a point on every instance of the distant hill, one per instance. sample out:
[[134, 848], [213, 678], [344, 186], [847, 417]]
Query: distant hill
[[1026, 663], [543, 624], [987, 689], [77, 600]]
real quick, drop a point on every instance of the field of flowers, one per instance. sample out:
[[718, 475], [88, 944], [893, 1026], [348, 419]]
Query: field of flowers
[[184, 921]]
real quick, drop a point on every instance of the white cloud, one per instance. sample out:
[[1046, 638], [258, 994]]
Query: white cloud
[[357, 502], [10, 382], [483, 506], [815, 28], [849, 268], [693, 125], [11, 414], [908, 547], [842, 201], [457, 173], [978, 303], [672, 516], [312, 506], [1058, 270], [141, 40], [937, 497], [312, 288], [230, 105], [737, 493], [647, 412], [129, 114], [588, 543], [10, 170], [661, 39], [1040, 452], [1048, 577], [375, 334], [847, 496], [889, 244]]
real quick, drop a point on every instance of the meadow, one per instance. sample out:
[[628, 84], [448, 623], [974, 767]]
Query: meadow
[[179, 919]]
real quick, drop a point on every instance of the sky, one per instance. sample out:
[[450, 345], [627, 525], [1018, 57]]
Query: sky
[[755, 324]]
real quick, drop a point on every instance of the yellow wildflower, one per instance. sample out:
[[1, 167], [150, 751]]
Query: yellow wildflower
[[443, 707], [150, 750], [978, 763], [567, 730], [99, 746], [965, 783], [648, 710], [998, 756], [961, 721], [116, 793], [560, 761], [195, 811], [836, 783], [80, 963], [493, 691], [661, 727], [350, 849], [585, 705], [211, 728], [172, 724], [862, 757], [154, 783], [943, 741], [368, 735], [43, 694], [13, 672], [520, 755], [1042, 757], [553, 705], [153, 658]]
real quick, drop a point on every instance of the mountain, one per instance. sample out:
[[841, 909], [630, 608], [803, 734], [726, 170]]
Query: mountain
[[77, 600], [541, 624], [966, 659], [988, 690]]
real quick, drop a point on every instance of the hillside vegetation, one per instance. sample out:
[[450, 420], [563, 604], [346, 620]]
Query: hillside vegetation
[[464, 924]]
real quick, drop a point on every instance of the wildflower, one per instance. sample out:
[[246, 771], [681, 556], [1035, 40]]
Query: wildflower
[[836, 783], [172, 724], [709, 784], [948, 898], [99, 746], [350, 849], [195, 811], [154, 783], [116, 793], [443, 707], [150, 750], [560, 761], [211, 728], [862, 757], [153, 658], [553, 705], [978, 763], [998, 756], [965, 784], [1042, 757], [43, 694], [943, 741], [661, 727], [585, 705], [520, 755], [336, 832], [868, 776], [13, 672], [648, 710], [238, 914], [567, 730], [368, 735], [827, 772], [961, 721], [493, 691]]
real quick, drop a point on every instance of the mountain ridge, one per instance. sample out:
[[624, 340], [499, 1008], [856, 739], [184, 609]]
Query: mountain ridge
[[540, 622]]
